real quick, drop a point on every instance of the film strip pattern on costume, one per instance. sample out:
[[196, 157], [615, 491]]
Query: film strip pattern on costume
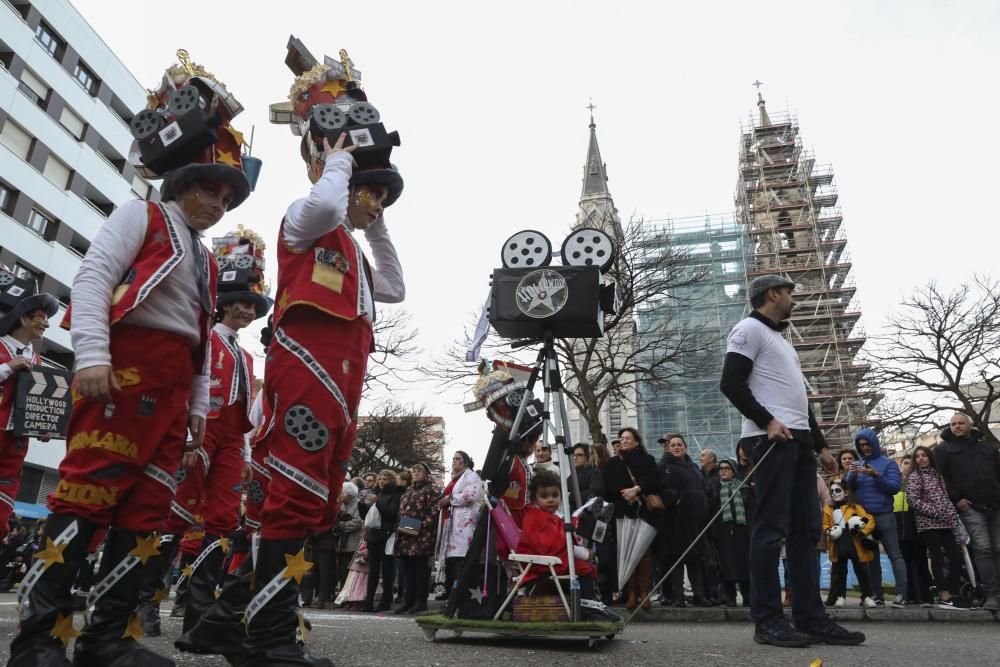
[[362, 280], [181, 512], [255, 525], [162, 476], [234, 385], [38, 568], [263, 597], [203, 455], [299, 477], [167, 266], [306, 358], [112, 578], [263, 471], [204, 554], [7, 500]]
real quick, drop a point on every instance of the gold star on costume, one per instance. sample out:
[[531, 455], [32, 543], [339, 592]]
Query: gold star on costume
[[303, 630], [216, 593], [187, 571], [160, 595], [52, 553], [334, 87], [64, 630], [236, 134], [225, 544], [296, 566], [146, 547], [134, 628], [225, 157]]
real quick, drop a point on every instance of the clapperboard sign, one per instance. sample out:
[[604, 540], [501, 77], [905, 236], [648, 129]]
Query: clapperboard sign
[[43, 403]]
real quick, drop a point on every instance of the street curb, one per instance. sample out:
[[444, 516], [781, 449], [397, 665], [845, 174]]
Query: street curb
[[742, 615]]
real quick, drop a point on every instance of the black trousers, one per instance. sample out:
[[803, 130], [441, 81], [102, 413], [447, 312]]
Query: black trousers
[[838, 578], [416, 581], [378, 562], [324, 568], [344, 559], [946, 559], [787, 510]]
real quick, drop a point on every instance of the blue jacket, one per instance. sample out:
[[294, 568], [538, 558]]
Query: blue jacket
[[874, 493]]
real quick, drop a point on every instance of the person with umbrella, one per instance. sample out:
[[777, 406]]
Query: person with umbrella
[[629, 479]]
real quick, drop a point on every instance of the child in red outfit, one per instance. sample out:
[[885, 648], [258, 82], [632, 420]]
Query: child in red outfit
[[542, 534]]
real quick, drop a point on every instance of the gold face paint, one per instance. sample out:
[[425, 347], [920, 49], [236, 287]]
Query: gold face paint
[[364, 198], [190, 204]]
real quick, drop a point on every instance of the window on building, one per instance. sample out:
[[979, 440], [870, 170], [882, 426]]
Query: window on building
[[87, 79], [73, 123], [7, 197], [47, 37], [27, 273], [38, 222], [16, 139], [57, 172], [33, 87]]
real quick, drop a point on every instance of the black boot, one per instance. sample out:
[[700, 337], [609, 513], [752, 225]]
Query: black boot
[[220, 631], [47, 607], [204, 579], [156, 585], [110, 637], [183, 583], [271, 632]]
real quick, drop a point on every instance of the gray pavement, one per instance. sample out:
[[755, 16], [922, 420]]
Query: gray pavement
[[366, 639]]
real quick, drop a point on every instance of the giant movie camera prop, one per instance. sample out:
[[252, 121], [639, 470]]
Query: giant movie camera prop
[[532, 298], [359, 121]]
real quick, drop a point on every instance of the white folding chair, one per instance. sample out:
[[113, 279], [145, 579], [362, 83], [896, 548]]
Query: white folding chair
[[524, 562]]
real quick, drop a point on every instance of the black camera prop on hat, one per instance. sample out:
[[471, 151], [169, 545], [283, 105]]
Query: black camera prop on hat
[[531, 298], [358, 120], [174, 135]]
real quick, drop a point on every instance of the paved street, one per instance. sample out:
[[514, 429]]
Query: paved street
[[364, 639]]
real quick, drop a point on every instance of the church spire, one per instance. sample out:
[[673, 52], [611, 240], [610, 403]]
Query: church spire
[[597, 208], [595, 177], [764, 119]]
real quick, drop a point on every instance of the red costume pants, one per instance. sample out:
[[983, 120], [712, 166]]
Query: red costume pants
[[212, 487], [313, 380], [12, 453], [121, 459]]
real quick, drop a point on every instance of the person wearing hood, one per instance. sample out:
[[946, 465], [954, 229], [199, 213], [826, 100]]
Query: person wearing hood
[[971, 472], [875, 480]]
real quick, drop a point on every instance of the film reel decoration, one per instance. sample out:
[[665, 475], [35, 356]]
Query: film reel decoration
[[588, 247], [183, 100], [525, 250], [241, 261], [181, 475], [300, 423], [364, 113], [329, 116], [6, 278], [255, 494], [145, 124]]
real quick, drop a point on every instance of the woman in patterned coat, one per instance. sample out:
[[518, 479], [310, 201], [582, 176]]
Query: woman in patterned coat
[[460, 506], [419, 503]]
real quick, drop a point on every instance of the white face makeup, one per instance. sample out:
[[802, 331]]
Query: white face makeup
[[837, 493]]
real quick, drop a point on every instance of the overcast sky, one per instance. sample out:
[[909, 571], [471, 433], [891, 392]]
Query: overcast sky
[[900, 97]]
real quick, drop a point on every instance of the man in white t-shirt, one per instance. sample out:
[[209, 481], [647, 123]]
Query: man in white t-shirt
[[763, 379]]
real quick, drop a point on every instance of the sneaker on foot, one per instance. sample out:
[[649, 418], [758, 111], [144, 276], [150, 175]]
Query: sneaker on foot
[[840, 602], [954, 603], [879, 602], [777, 631], [868, 603], [825, 631], [900, 602]]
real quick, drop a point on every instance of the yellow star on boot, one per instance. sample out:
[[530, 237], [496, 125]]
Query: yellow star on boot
[[303, 630], [146, 547], [225, 544], [296, 566], [160, 595], [134, 628], [63, 629], [187, 571], [52, 553]]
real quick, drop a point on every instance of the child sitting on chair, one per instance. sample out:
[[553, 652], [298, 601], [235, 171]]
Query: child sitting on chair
[[542, 534]]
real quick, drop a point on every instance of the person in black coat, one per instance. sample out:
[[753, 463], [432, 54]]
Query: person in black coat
[[588, 476], [687, 511], [387, 496], [629, 477]]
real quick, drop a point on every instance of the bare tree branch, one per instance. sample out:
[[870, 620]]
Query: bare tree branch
[[397, 437]]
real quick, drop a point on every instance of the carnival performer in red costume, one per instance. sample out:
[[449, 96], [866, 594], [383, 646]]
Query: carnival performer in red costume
[[317, 359], [25, 320], [213, 475], [143, 304]]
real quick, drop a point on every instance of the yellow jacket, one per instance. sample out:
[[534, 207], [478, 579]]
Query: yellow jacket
[[864, 555]]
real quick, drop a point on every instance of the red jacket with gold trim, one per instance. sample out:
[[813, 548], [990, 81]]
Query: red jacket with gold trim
[[224, 388], [160, 254]]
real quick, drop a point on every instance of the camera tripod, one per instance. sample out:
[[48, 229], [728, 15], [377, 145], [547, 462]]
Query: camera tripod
[[503, 448]]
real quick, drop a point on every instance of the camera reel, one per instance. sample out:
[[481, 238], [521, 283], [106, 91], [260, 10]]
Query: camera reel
[[359, 122]]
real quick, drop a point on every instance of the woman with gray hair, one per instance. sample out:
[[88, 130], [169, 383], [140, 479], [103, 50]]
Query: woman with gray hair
[[347, 530]]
